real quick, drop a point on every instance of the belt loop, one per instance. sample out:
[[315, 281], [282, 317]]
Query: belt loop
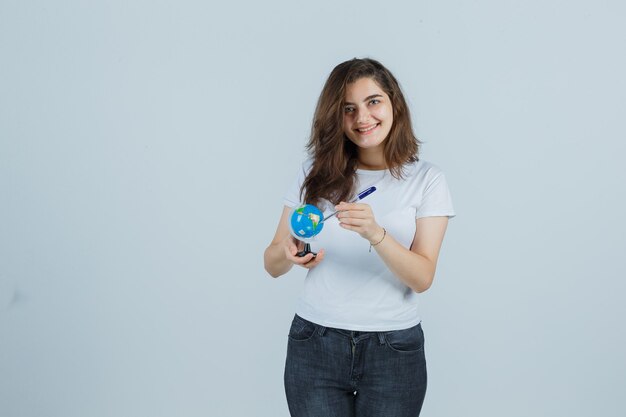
[[321, 330], [381, 338]]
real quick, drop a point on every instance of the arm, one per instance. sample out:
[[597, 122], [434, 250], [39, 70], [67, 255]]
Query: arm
[[280, 255], [415, 266]]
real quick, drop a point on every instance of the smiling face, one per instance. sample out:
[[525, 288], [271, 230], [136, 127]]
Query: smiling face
[[367, 115]]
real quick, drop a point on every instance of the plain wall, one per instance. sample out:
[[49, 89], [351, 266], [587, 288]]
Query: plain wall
[[145, 148]]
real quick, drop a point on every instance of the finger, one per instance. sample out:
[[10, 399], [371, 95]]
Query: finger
[[316, 260], [354, 221], [303, 260], [352, 206], [291, 254], [344, 206], [356, 214], [348, 226]]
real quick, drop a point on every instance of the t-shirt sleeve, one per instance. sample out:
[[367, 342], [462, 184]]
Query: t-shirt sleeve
[[436, 200], [292, 195]]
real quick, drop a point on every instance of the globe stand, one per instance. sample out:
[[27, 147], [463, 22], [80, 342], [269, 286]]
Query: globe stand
[[306, 251]]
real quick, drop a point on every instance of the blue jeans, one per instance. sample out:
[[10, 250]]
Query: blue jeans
[[333, 372]]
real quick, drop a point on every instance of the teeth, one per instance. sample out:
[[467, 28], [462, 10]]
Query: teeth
[[367, 130]]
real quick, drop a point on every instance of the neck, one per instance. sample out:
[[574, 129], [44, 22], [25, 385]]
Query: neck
[[371, 160]]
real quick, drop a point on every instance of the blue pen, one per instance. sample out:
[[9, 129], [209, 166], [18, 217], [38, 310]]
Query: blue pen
[[360, 196]]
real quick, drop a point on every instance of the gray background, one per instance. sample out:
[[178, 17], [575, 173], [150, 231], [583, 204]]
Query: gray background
[[145, 148]]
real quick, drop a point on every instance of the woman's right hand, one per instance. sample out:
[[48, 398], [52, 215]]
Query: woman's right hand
[[280, 255], [292, 246]]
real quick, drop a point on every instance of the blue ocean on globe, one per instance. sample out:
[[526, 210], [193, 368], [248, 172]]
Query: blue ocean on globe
[[306, 221]]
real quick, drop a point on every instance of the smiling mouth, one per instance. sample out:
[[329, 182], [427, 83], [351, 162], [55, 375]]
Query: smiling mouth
[[368, 130]]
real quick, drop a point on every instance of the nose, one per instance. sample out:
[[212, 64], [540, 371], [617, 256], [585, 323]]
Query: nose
[[363, 116]]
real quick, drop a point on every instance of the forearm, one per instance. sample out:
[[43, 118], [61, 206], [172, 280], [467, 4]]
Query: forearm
[[414, 270], [276, 263]]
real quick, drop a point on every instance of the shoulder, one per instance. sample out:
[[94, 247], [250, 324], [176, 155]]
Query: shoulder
[[305, 167], [307, 164], [423, 169]]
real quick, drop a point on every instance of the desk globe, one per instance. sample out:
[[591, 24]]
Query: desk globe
[[306, 222]]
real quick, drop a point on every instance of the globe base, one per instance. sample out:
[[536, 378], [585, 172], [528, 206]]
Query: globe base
[[306, 251]]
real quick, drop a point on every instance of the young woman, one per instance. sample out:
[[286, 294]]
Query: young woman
[[356, 345]]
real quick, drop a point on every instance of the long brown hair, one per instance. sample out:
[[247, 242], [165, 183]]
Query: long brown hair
[[333, 173]]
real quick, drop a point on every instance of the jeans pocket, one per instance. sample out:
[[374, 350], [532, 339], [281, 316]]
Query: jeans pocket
[[406, 340], [301, 329]]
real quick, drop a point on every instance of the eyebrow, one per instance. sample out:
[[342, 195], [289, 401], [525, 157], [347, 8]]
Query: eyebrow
[[367, 98]]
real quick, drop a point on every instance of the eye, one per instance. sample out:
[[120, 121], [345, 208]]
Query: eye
[[374, 100], [348, 109]]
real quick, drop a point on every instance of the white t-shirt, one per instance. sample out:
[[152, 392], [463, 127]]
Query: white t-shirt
[[352, 288]]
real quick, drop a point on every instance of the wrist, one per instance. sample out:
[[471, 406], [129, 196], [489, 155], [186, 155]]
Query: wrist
[[377, 236], [381, 237]]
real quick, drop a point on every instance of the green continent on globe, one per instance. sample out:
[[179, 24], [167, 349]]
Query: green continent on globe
[[315, 219]]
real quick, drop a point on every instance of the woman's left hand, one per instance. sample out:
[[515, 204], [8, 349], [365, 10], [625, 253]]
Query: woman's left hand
[[358, 217]]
